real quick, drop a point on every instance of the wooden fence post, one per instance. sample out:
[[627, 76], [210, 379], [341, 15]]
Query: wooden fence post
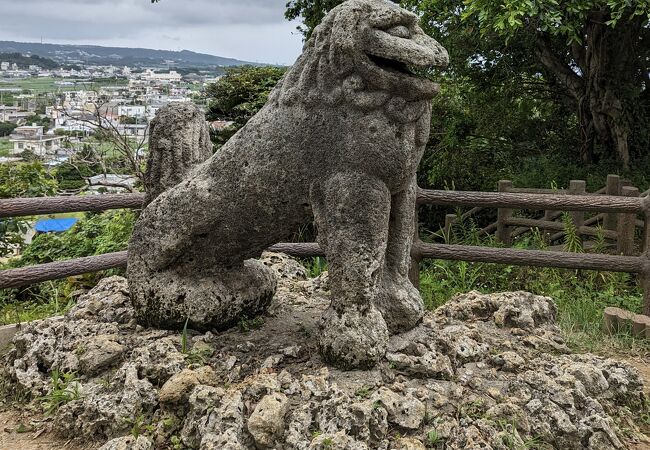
[[613, 188], [578, 187], [503, 231], [626, 225]]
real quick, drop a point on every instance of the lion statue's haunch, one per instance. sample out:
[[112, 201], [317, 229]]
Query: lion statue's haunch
[[340, 137]]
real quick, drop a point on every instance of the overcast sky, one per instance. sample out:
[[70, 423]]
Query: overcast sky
[[252, 30]]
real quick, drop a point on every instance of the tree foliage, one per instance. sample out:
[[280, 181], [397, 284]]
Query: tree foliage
[[6, 128], [597, 50], [238, 95], [21, 180], [95, 234], [584, 62], [311, 12]]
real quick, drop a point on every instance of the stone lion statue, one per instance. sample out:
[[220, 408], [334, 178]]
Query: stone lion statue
[[340, 140]]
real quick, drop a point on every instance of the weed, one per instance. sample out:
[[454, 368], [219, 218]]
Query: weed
[[434, 439], [245, 324], [196, 357], [580, 296], [64, 387], [363, 392], [176, 443], [315, 266], [572, 240], [139, 425]]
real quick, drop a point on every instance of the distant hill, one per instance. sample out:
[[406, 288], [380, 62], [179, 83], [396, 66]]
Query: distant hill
[[23, 62], [120, 56]]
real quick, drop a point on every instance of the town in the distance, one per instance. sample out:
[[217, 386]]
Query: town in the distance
[[53, 111]]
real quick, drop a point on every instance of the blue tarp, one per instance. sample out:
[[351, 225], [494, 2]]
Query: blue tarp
[[55, 225]]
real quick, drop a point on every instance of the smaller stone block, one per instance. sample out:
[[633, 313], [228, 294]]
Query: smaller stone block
[[640, 324]]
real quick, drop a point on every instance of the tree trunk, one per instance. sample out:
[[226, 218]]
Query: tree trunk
[[602, 77]]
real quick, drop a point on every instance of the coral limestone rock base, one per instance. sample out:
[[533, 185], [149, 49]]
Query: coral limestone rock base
[[482, 371]]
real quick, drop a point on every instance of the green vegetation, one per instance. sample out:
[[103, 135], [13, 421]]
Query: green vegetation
[[6, 128], [238, 95], [580, 295], [21, 180], [5, 146], [64, 387], [23, 62], [93, 235], [434, 439], [43, 85]]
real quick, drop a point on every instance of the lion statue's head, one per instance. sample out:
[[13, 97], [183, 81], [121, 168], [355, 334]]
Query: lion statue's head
[[364, 51]]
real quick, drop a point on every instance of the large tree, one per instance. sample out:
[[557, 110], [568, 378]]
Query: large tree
[[597, 50]]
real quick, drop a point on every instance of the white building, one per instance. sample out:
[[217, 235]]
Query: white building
[[135, 111], [171, 77], [32, 138]]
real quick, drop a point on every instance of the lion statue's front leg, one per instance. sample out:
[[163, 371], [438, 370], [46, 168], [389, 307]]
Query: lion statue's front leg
[[351, 211]]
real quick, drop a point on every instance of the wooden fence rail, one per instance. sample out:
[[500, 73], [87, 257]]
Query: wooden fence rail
[[20, 207], [629, 206]]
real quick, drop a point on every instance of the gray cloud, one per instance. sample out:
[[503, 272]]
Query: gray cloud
[[246, 29]]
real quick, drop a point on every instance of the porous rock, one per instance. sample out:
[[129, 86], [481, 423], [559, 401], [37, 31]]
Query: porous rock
[[128, 443], [408, 444], [179, 139], [100, 352], [267, 421], [472, 377], [404, 411]]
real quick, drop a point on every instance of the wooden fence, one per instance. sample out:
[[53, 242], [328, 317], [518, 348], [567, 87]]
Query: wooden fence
[[617, 228], [625, 207]]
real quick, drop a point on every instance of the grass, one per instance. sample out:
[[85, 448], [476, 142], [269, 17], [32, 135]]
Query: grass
[[48, 84], [580, 295], [52, 299]]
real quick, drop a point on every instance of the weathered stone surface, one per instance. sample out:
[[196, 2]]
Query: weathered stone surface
[[177, 389], [472, 377], [267, 421], [179, 139], [128, 443], [340, 139], [404, 411], [99, 353], [408, 444]]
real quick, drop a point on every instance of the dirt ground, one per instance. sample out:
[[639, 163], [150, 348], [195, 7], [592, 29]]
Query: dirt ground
[[24, 431]]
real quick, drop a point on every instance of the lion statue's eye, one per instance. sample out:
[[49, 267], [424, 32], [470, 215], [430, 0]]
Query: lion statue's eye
[[399, 31]]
